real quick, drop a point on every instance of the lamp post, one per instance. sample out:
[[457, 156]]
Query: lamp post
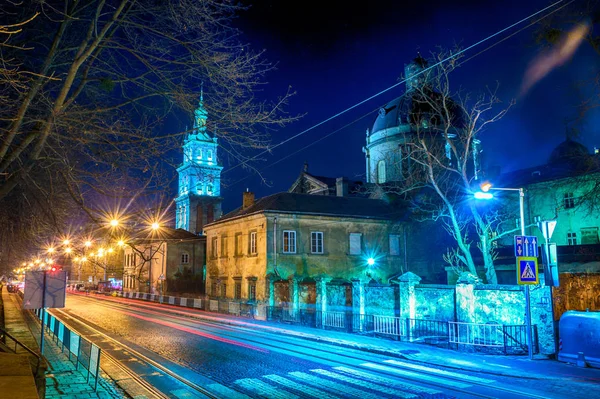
[[485, 194]]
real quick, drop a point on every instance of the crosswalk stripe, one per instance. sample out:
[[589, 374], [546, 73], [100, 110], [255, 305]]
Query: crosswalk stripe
[[406, 373], [225, 392], [365, 384], [264, 389], [387, 381], [315, 393], [332, 386], [441, 372]]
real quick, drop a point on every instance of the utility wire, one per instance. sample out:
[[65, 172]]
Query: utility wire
[[403, 81]]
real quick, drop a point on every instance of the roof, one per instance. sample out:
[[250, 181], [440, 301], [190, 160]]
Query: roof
[[568, 159], [165, 233], [326, 205]]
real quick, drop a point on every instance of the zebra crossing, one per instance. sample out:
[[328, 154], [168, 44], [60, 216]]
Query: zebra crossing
[[349, 382]]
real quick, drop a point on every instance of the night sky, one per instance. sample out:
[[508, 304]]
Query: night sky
[[336, 54]]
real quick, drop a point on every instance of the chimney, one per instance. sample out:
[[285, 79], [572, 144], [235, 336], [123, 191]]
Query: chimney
[[247, 199], [341, 187]]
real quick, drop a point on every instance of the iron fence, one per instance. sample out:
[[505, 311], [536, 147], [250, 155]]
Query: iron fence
[[427, 331], [390, 326]]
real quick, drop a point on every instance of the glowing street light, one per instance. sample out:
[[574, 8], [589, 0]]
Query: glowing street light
[[88, 243], [66, 242], [114, 223], [483, 195], [370, 261], [50, 250], [155, 226], [68, 250], [121, 243]]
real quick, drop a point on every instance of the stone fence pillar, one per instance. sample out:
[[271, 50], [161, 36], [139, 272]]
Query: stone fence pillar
[[321, 299], [465, 298], [408, 306], [294, 297], [358, 303]]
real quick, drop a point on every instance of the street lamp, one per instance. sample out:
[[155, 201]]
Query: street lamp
[[485, 194]]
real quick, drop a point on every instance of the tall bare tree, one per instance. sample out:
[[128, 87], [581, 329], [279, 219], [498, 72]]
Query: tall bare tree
[[440, 160], [87, 84]]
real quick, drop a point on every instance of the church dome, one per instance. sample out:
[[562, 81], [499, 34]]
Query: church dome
[[407, 109], [568, 150]]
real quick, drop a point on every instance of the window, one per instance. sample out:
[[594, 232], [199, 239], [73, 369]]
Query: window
[[213, 248], [569, 201], [237, 290], [355, 243], [252, 245], [209, 189], [238, 244], [381, 172], [289, 242], [223, 245], [209, 155], [316, 242], [394, 244], [213, 289], [224, 290], [199, 153], [571, 238], [185, 258], [252, 290], [589, 235]]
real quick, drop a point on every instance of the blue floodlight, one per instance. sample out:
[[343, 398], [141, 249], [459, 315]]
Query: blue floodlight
[[370, 261], [482, 195]]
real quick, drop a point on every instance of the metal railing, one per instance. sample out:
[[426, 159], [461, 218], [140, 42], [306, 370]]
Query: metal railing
[[427, 331], [5, 335], [389, 325]]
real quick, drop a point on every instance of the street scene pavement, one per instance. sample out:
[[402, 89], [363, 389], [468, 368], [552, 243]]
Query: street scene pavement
[[231, 357]]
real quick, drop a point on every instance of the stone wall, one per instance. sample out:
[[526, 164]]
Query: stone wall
[[381, 300], [470, 302], [434, 302], [337, 299]]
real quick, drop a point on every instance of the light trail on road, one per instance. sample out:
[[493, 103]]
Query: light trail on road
[[304, 362]]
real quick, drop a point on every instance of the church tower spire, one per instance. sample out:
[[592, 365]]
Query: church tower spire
[[198, 201]]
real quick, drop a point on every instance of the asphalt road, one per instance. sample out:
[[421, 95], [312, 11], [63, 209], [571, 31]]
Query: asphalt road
[[184, 355]]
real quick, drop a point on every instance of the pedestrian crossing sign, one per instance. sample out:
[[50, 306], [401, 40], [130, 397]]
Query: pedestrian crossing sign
[[527, 270]]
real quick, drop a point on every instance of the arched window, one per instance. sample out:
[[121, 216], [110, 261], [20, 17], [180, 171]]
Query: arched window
[[381, 172]]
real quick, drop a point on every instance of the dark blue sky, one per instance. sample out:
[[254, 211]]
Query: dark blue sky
[[335, 54]]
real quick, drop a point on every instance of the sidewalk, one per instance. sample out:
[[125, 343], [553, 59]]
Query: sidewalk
[[62, 380]]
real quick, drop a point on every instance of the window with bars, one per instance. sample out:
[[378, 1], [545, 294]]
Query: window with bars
[[571, 238], [394, 244], [224, 290], [355, 243], [569, 201], [213, 289], [252, 243], [252, 290], [289, 242], [185, 258], [316, 242], [237, 290]]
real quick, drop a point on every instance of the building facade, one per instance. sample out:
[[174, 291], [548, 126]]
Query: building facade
[[152, 261], [305, 251]]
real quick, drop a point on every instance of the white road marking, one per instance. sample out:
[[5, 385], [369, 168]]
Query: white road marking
[[365, 384], [315, 393], [438, 371], [224, 392], [387, 381], [346, 391], [183, 394], [264, 389], [411, 374]]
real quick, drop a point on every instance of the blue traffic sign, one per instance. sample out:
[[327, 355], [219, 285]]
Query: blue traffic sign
[[526, 246], [527, 270]]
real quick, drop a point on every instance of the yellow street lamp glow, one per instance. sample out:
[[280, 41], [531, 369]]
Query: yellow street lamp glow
[[114, 223], [68, 250], [66, 242], [24, 264], [30, 264], [485, 187], [109, 250], [155, 226], [76, 259], [100, 251], [50, 250], [83, 259], [88, 243], [100, 254], [121, 243], [37, 261]]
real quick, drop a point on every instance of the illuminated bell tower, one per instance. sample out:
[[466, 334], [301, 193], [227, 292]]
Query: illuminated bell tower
[[198, 201]]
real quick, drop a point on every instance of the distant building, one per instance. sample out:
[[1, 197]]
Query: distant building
[[199, 196], [305, 251], [155, 259]]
